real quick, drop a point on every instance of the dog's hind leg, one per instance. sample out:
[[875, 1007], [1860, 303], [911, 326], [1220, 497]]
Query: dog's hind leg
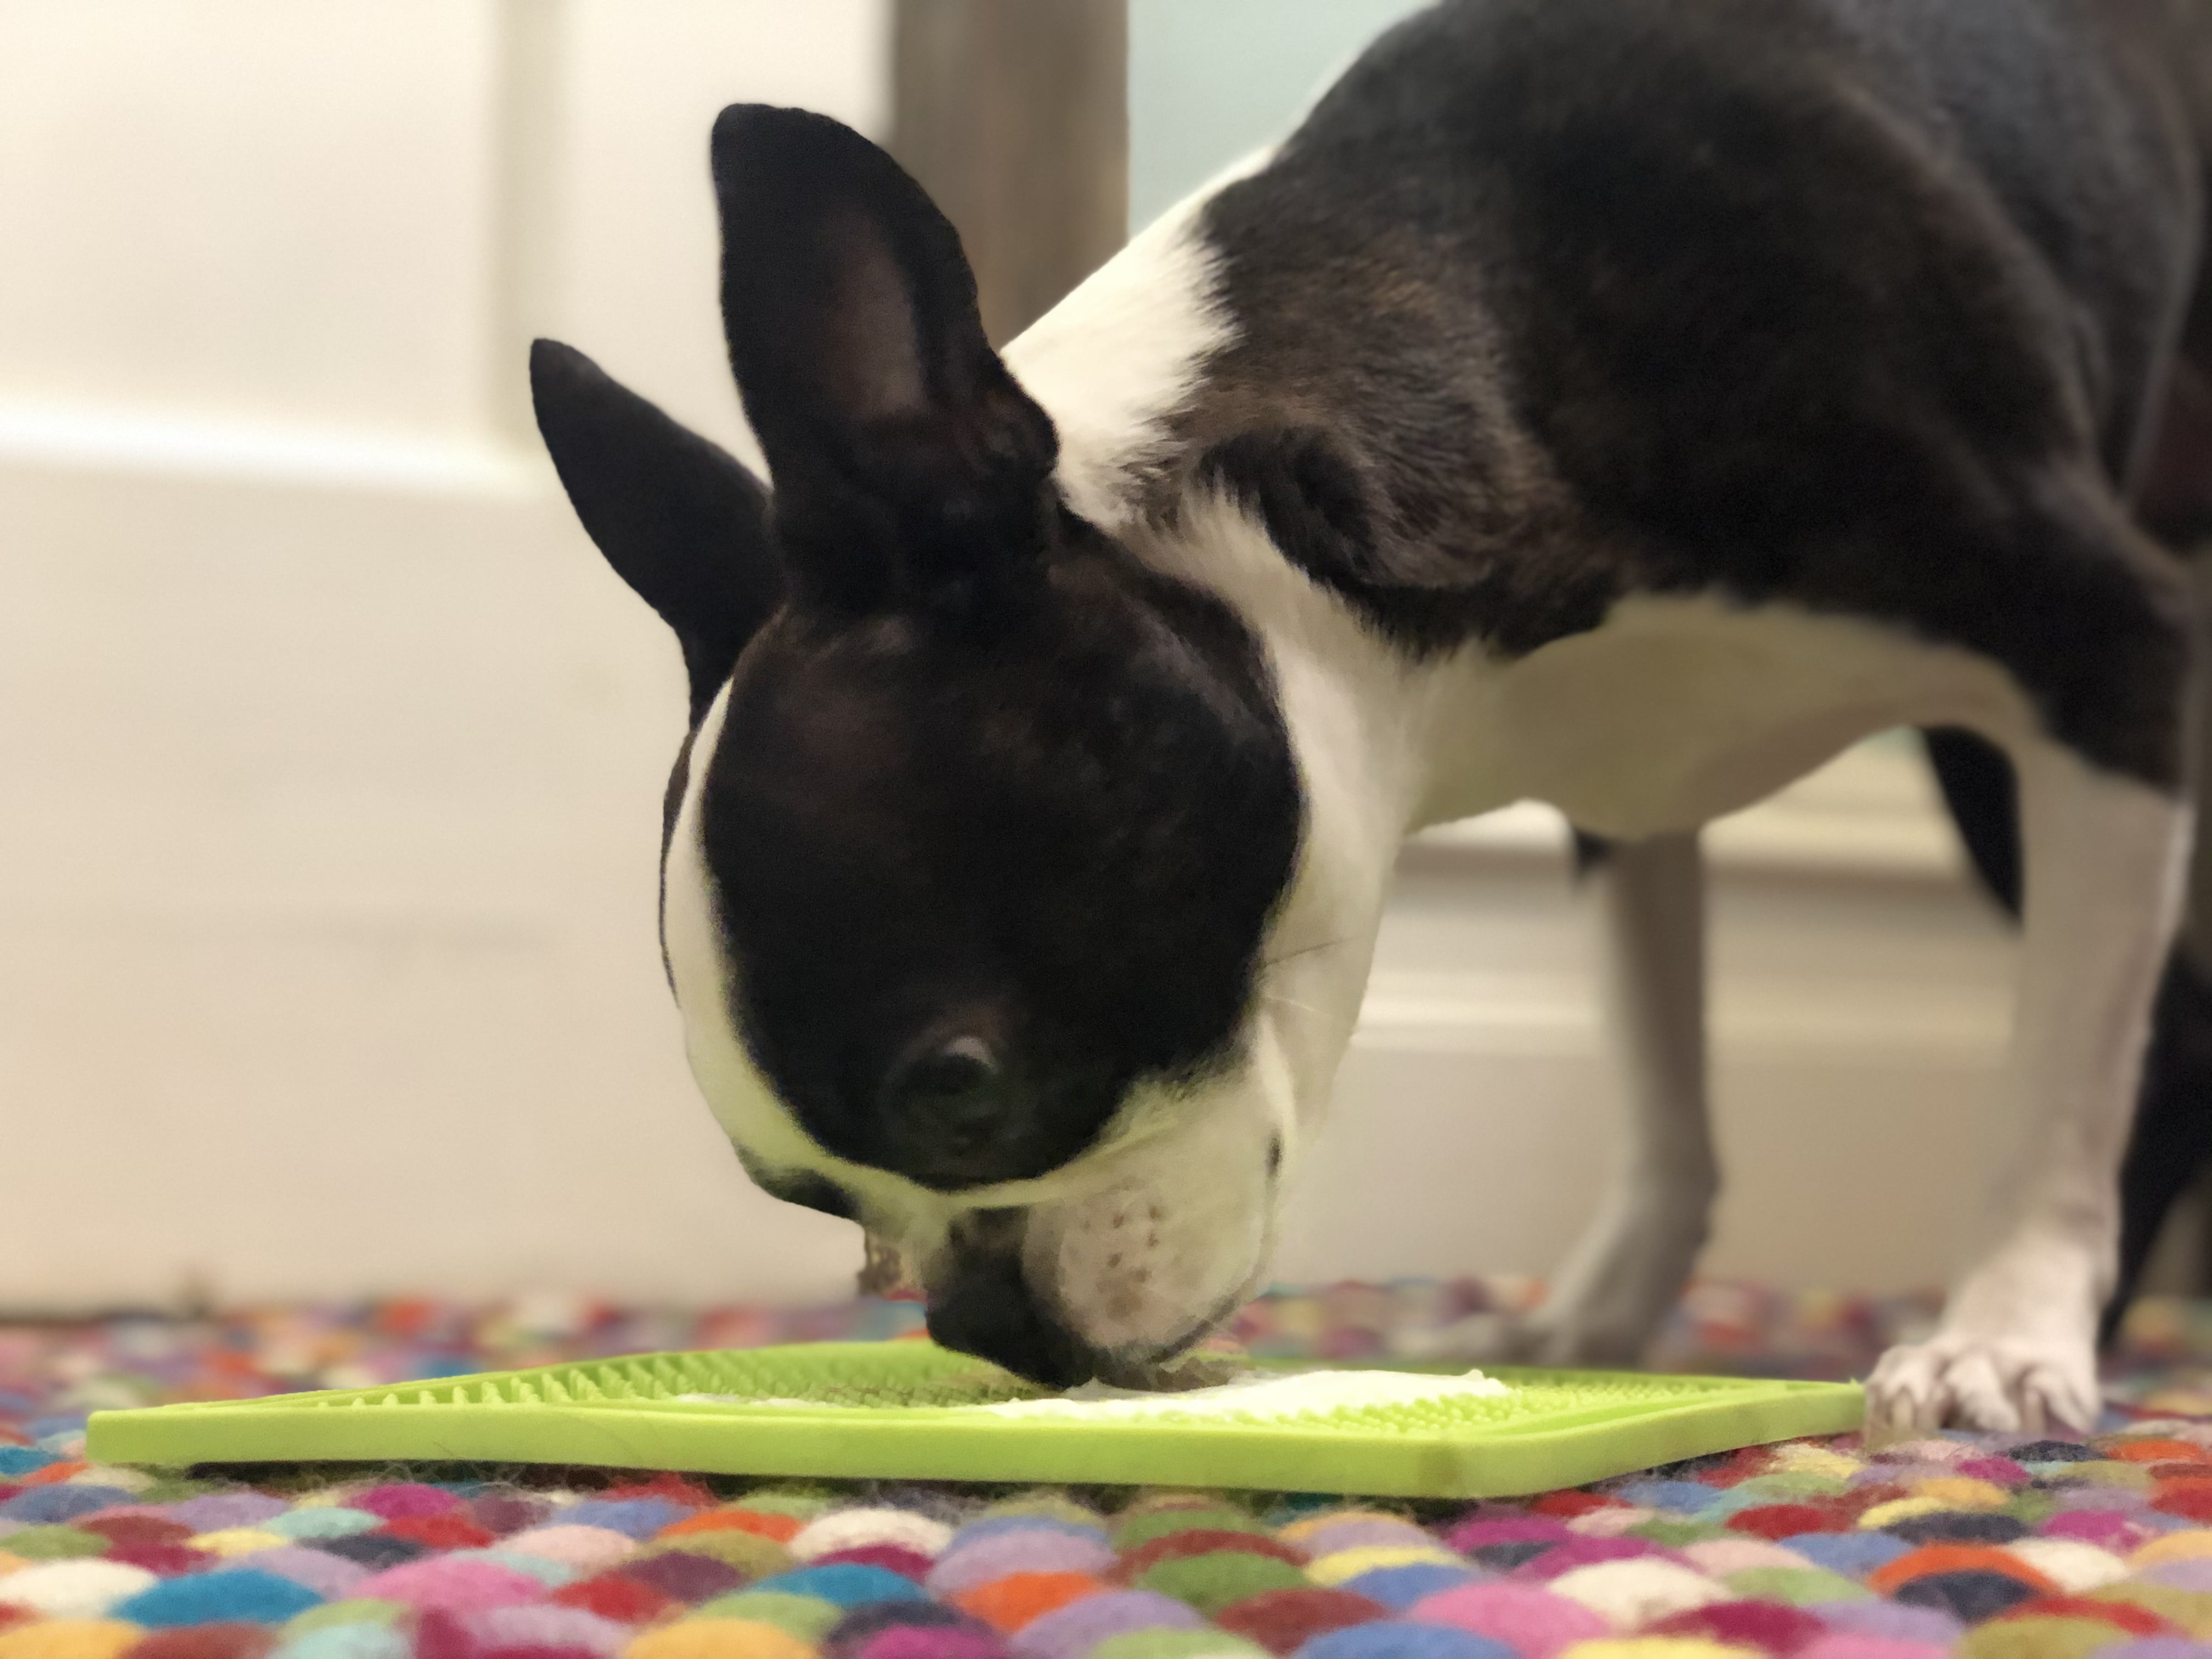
[[1619, 1280]]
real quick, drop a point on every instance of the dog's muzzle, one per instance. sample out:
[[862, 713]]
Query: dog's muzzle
[[981, 1302]]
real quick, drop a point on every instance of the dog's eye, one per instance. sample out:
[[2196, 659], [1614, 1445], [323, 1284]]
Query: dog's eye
[[953, 1085], [964, 1064]]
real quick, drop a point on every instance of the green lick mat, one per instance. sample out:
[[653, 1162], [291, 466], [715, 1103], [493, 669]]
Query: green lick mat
[[882, 1411]]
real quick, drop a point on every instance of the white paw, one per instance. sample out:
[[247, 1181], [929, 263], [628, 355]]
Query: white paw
[[2024, 1385]]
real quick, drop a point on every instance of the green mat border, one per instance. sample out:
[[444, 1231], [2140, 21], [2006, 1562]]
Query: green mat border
[[409, 1423]]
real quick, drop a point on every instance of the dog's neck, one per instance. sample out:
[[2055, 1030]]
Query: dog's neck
[[1389, 743], [1379, 735]]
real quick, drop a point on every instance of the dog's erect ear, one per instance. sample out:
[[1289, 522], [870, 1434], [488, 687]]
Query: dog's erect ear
[[682, 521], [909, 468]]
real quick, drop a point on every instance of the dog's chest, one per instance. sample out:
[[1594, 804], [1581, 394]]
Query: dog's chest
[[1677, 711]]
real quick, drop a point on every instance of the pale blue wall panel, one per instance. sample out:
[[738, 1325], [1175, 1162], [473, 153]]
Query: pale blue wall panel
[[1211, 81]]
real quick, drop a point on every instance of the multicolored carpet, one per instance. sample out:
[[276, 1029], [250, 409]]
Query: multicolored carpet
[[1995, 1546]]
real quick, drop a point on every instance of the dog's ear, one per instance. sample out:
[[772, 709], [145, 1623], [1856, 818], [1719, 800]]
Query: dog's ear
[[682, 521], [909, 468]]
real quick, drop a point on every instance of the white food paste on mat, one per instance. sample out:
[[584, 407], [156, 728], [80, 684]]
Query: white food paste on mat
[[1260, 1395]]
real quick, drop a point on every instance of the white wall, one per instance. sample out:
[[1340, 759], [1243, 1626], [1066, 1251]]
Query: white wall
[[332, 753], [1213, 80]]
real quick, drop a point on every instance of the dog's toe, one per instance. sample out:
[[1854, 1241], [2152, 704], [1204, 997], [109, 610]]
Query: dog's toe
[[2054, 1396], [1974, 1385], [1971, 1383], [1903, 1392]]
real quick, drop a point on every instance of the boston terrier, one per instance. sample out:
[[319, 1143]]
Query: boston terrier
[[1624, 404]]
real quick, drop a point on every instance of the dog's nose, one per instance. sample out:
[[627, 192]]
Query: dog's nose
[[980, 1303]]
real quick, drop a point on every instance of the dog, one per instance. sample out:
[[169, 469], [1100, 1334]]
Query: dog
[[1625, 404]]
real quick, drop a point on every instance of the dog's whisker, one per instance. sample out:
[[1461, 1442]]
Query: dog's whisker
[[1305, 951]]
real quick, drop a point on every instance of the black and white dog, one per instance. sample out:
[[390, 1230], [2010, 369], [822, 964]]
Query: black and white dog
[[1620, 403]]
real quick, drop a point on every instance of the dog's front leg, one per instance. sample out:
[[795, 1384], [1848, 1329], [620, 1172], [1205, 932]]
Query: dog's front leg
[[2015, 1351], [1617, 1284]]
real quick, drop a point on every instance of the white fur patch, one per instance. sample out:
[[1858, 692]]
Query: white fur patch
[[1680, 709], [740, 1098], [1177, 1233], [1114, 361]]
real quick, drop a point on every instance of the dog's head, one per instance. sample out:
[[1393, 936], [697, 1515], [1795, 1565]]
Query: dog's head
[[972, 853]]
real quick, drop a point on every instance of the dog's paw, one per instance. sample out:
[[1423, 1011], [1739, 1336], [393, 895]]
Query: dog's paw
[[2009, 1385]]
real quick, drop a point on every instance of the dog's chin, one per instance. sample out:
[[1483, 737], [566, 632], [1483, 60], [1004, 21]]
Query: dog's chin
[[1167, 1238], [1132, 1340], [1191, 1368], [994, 1293], [1180, 1363]]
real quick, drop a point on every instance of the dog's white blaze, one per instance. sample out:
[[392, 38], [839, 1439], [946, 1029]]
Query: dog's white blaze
[[740, 1098], [736, 1093]]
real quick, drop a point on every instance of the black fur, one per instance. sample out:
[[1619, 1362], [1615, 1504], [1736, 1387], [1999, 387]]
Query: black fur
[[1061, 845], [1984, 801], [1853, 303], [909, 468]]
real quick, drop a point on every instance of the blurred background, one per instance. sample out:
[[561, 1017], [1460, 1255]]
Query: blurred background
[[332, 754]]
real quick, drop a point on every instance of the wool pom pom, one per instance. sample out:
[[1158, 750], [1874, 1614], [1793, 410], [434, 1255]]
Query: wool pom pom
[[853, 1528], [81, 1588]]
